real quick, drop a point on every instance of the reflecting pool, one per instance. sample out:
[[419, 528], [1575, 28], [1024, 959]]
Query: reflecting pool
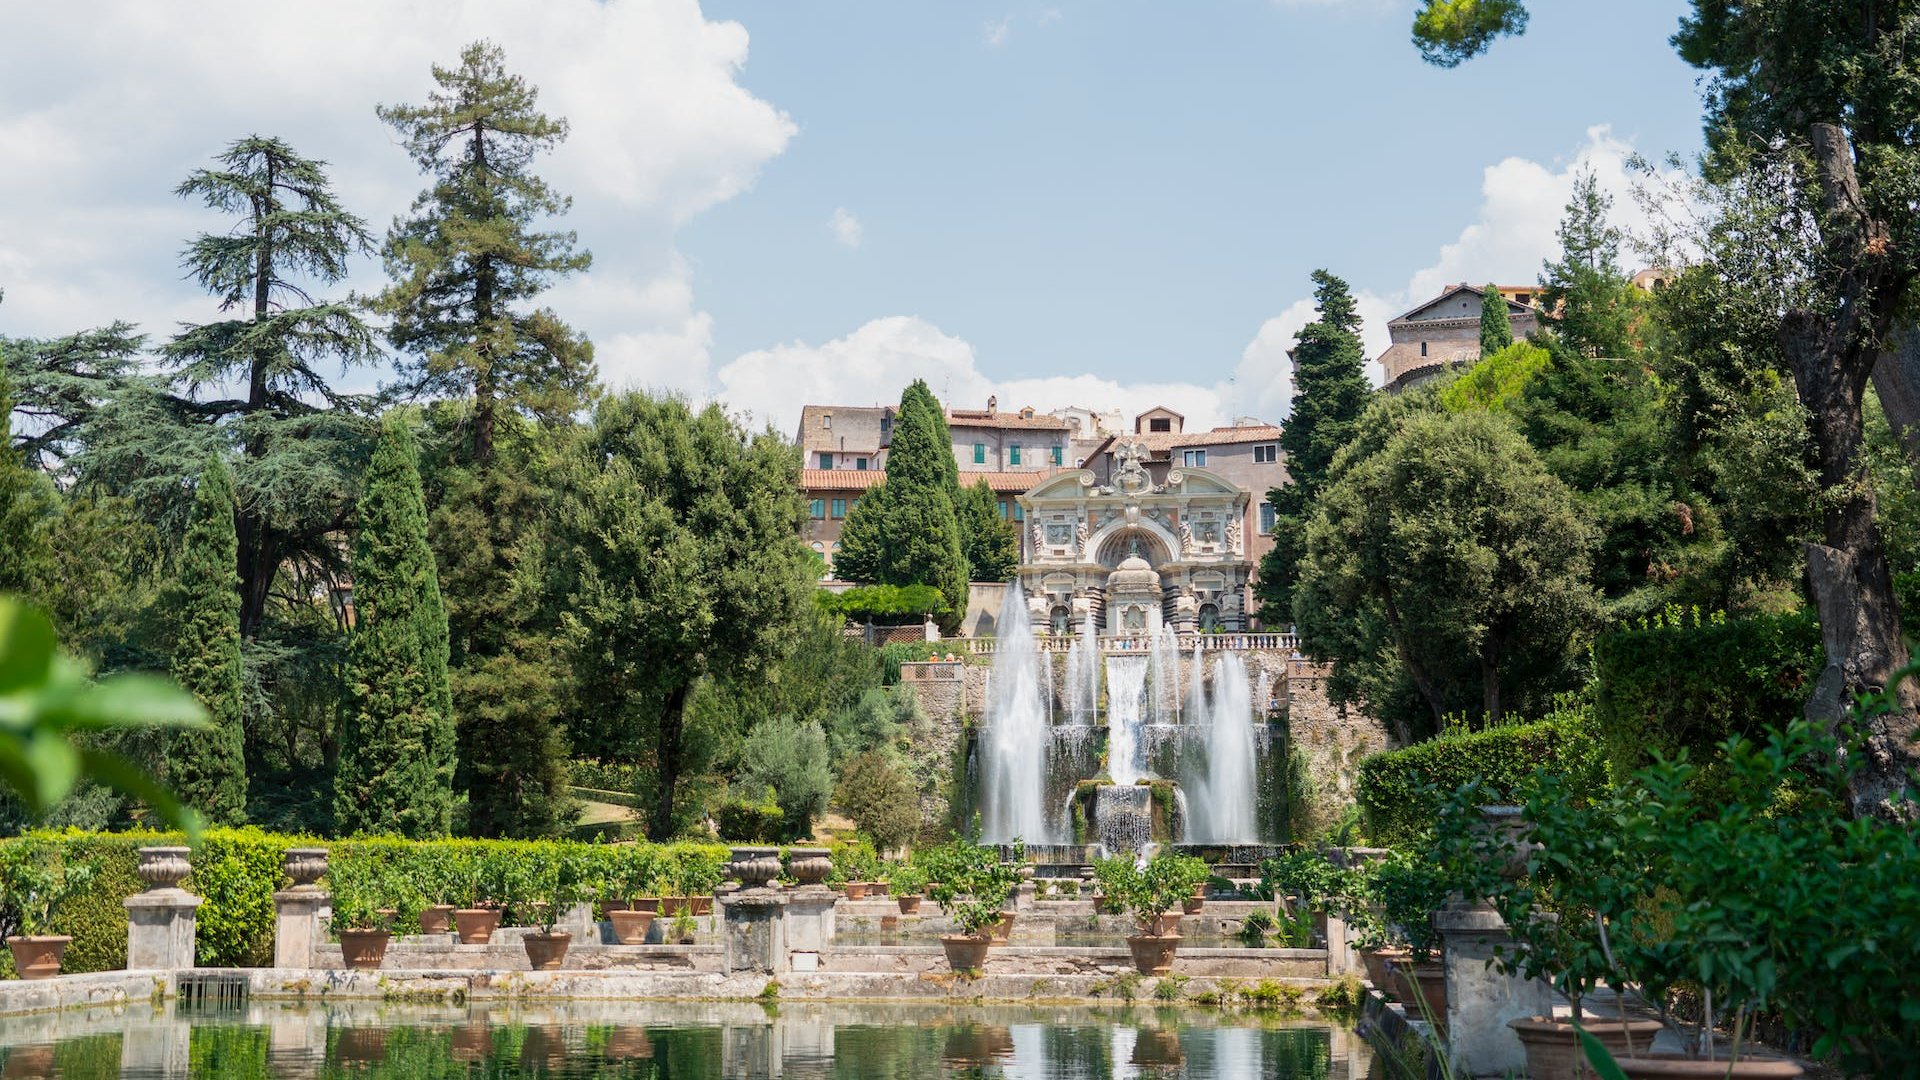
[[674, 1041]]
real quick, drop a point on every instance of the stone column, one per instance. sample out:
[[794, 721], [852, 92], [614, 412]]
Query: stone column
[[297, 911], [1342, 957], [161, 920], [1480, 999], [753, 919], [810, 909]]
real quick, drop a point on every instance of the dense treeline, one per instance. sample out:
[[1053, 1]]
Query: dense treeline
[[406, 611]]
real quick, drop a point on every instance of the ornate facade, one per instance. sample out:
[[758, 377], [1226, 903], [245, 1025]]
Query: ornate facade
[[1138, 548]]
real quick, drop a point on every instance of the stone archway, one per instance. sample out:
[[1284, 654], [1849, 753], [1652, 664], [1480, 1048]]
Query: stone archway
[[1153, 542]]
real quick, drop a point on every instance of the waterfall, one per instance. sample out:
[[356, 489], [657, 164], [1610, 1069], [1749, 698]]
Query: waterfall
[[1163, 677], [1123, 817], [1016, 736], [1196, 691], [1224, 805], [1083, 674], [1126, 702]]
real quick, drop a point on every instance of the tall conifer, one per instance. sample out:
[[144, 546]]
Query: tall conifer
[[1496, 330], [1330, 391], [207, 767], [395, 773]]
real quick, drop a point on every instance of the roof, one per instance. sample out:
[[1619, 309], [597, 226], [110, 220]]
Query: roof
[[1160, 408], [1220, 436], [1514, 307], [980, 418], [862, 479]]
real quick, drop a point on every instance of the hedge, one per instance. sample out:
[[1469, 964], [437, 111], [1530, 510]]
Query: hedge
[[1399, 791], [235, 873], [1683, 681]]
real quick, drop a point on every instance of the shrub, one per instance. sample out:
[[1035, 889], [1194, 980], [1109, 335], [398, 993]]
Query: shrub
[[887, 604], [878, 794], [1148, 891], [1687, 681], [1400, 791], [894, 654], [750, 820], [790, 757], [971, 884]]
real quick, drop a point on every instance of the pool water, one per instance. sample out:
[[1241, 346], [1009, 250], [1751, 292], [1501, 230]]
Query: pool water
[[674, 1041]]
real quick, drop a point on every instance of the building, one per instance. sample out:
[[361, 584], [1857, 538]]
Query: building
[[1444, 333]]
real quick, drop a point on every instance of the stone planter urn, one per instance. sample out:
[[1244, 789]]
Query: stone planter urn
[[163, 867], [546, 952], [967, 952], [364, 949], [630, 927], [1153, 953], [38, 956], [1553, 1046], [756, 867], [476, 925], [306, 866], [809, 865]]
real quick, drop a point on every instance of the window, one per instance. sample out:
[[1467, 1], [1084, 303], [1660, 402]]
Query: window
[[839, 508], [1195, 459], [1523, 297], [979, 453], [1160, 423], [1266, 453], [826, 460], [1423, 348], [1013, 454], [1058, 455], [1266, 519], [817, 508], [1006, 509], [826, 421], [886, 425], [860, 464], [1019, 512]]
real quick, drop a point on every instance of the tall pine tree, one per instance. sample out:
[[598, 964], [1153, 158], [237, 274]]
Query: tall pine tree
[[469, 259], [1496, 330], [207, 767], [1330, 391], [395, 773], [1589, 301]]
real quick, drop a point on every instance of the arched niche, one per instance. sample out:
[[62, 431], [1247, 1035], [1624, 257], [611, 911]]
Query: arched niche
[[1113, 544]]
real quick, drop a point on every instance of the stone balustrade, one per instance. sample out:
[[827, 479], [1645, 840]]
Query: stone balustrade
[[1122, 644]]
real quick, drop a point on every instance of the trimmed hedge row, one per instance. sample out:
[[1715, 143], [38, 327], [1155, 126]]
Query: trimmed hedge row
[[1684, 681], [235, 872], [1399, 791]]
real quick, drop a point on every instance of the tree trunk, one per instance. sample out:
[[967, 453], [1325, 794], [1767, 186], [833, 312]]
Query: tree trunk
[[259, 555], [1416, 671], [1896, 378], [1490, 682], [484, 388], [1831, 357], [667, 748]]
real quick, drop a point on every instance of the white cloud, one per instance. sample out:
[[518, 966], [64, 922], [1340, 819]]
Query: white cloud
[[845, 227], [89, 229], [997, 31], [1512, 234]]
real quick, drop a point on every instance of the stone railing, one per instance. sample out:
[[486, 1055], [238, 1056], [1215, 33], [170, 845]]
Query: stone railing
[[1234, 642]]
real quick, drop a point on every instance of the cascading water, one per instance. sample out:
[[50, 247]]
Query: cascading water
[[1196, 695], [1125, 817], [1223, 805], [1083, 675], [1015, 738], [1126, 702], [1163, 677]]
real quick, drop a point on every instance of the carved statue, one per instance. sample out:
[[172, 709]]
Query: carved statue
[[1080, 535], [1131, 478], [1039, 538], [1186, 534], [1233, 535]]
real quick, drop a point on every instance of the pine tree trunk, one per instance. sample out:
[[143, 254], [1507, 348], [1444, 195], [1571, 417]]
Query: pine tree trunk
[[1490, 682], [668, 751], [258, 549]]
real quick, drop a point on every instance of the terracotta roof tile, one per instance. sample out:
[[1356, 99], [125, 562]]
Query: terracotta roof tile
[[862, 479]]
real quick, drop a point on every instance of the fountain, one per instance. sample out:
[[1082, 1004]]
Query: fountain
[[1126, 701], [1223, 801], [1124, 815], [1163, 677], [1015, 740], [1083, 675]]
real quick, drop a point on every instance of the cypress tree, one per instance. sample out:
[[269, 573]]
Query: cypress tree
[[991, 542], [1496, 332], [26, 502], [207, 767], [395, 773], [1330, 391]]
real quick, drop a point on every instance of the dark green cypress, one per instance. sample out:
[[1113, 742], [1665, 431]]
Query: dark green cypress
[[1496, 332], [207, 768], [395, 773]]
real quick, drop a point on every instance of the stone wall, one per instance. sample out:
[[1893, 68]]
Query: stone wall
[[1330, 738]]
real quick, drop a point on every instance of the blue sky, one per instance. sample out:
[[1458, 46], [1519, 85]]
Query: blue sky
[[1105, 203]]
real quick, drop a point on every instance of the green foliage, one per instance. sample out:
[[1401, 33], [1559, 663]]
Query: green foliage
[[1400, 791], [1496, 328], [1309, 876], [1496, 379], [895, 653], [759, 821], [469, 258], [882, 603], [1684, 681], [880, 797], [1257, 927], [395, 773], [1330, 393], [235, 874], [906, 879], [357, 897], [37, 880], [856, 860], [991, 542], [971, 884], [1451, 32], [1146, 892], [205, 766], [1408, 889], [790, 759], [1586, 298]]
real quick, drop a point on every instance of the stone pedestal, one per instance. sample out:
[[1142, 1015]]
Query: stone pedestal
[[155, 1048], [1480, 1000], [1342, 957], [298, 911], [161, 921], [753, 931], [810, 923]]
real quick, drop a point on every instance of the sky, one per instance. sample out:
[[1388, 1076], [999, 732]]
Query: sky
[[1110, 203]]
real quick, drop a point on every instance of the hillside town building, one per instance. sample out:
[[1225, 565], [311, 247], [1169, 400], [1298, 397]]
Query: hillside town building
[[1443, 333]]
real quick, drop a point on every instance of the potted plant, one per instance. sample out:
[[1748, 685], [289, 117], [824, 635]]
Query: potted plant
[[559, 879], [359, 918], [633, 874], [1151, 893], [859, 864], [431, 885], [909, 885], [972, 885], [681, 928], [36, 880], [1409, 888]]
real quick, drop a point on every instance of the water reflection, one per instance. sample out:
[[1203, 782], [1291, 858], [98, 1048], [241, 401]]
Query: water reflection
[[671, 1041]]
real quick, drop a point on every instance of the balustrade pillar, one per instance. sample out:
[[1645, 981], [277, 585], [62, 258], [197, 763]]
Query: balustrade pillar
[[298, 911], [753, 918], [1481, 999], [161, 922], [810, 908]]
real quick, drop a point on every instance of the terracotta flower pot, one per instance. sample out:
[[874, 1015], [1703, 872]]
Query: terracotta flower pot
[[1003, 929], [1553, 1046], [876, 888], [362, 1044], [1165, 923], [437, 919], [37, 956], [1192, 905], [29, 1061], [645, 903], [1376, 961], [630, 927], [1670, 1065], [1153, 953], [1157, 1047], [364, 949], [546, 952], [476, 925], [967, 952], [702, 905], [608, 907], [472, 1042], [674, 905], [856, 890], [1415, 984], [908, 904]]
